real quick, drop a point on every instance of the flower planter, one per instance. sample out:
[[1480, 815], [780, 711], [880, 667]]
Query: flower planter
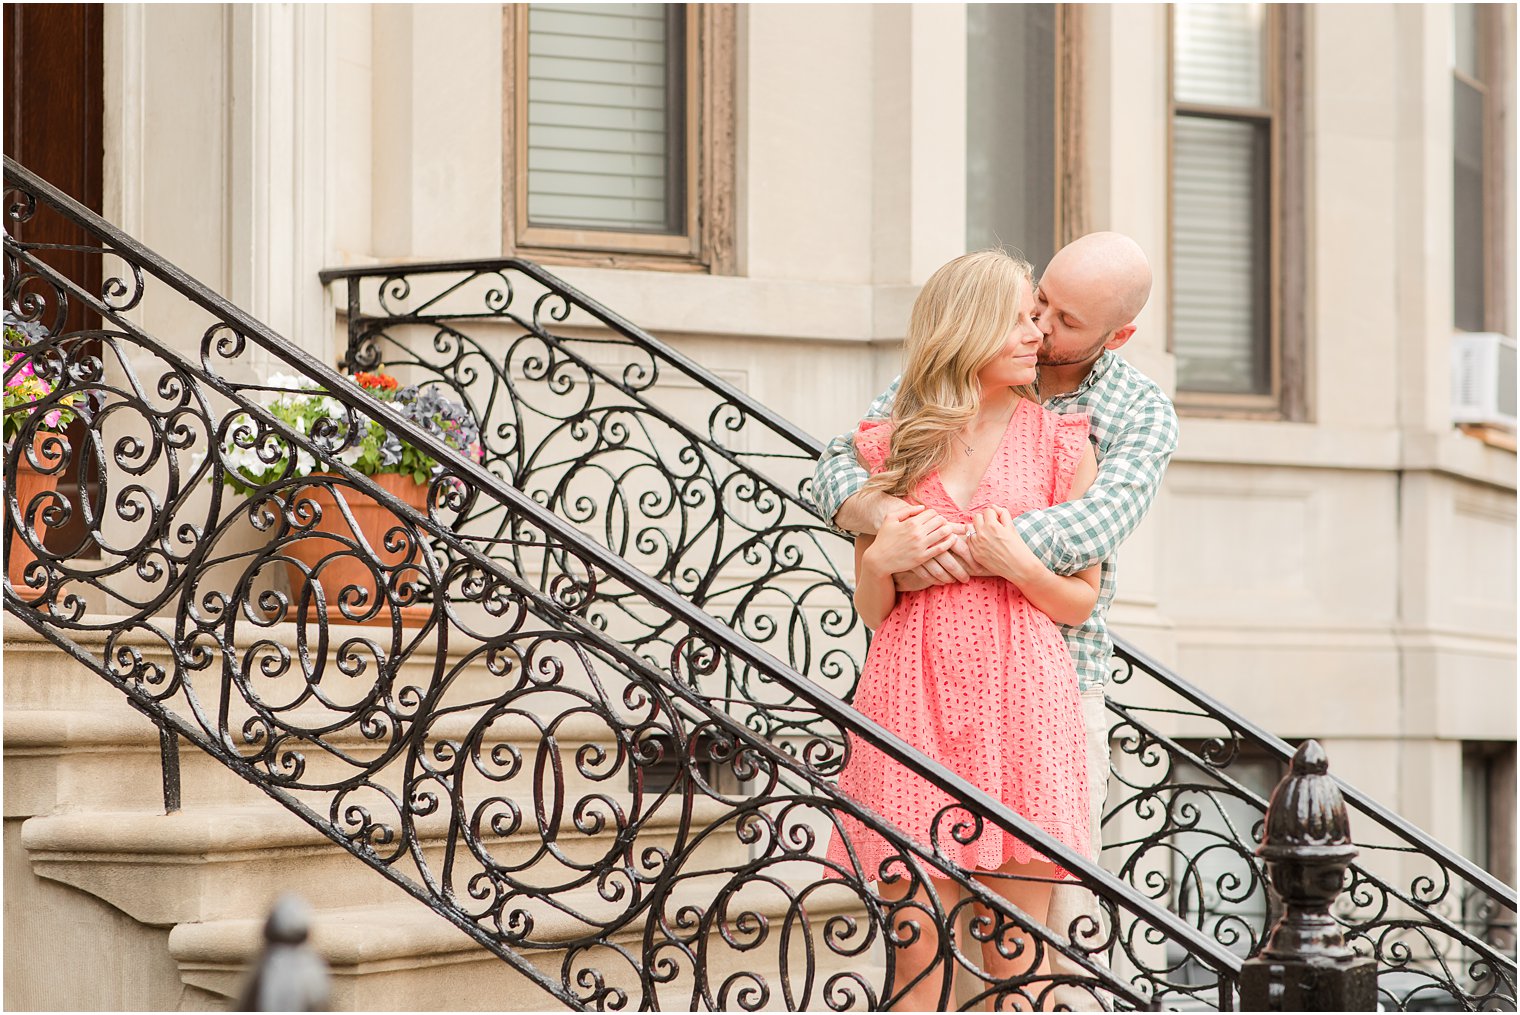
[[335, 566], [30, 484]]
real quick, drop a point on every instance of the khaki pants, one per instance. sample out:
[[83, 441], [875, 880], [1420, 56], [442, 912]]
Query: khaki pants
[[1070, 902]]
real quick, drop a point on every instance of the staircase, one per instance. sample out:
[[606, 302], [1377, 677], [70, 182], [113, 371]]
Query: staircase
[[598, 756]]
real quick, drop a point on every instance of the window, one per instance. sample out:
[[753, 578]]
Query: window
[[1488, 806], [1488, 834], [1233, 206], [1477, 172], [620, 134], [1011, 149]]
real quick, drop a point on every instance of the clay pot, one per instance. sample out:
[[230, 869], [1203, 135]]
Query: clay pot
[[29, 484], [341, 568]]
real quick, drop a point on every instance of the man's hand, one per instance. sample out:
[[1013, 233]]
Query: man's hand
[[908, 538], [956, 564]]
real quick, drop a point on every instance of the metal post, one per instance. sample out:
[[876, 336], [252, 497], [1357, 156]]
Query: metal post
[[290, 975], [1305, 964], [168, 752]]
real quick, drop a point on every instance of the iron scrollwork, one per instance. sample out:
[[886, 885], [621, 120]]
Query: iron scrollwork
[[621, 797], [588, 400]]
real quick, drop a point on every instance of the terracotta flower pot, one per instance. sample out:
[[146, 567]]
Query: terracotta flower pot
[[29, 483], [335, 566]]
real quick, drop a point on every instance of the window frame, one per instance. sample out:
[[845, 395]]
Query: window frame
[[1286, 397], [706, 241], [1489, 26]]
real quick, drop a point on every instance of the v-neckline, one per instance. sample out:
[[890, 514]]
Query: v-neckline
[[982, 479]]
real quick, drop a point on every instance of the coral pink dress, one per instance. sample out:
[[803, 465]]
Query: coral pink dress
[[975, 677]]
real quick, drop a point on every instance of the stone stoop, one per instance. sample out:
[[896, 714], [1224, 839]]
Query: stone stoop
[[163, 911]]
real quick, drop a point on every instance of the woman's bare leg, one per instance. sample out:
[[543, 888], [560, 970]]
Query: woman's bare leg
[[926, 952], [1027, 887]]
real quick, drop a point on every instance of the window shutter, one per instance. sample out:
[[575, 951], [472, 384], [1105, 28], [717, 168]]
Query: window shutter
[[600, 108]]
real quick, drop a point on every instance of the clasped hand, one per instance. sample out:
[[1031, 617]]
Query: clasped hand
[[996, 546], [910, 536]]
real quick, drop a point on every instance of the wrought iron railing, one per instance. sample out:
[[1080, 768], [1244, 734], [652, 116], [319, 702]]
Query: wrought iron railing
[[485, 718], [1184, 822], [577, 400]]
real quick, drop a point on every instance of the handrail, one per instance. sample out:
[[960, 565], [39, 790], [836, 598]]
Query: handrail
[[813, 447], [1284, 752], [594, 557], [437, 309]]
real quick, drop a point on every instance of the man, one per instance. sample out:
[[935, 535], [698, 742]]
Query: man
[[1088, 299]]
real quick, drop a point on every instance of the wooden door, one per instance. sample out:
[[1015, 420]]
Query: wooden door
[[54, 94]]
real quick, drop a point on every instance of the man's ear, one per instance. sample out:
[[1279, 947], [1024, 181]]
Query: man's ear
[[1119, 337]]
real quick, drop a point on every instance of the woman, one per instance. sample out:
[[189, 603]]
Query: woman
[[976, 674]]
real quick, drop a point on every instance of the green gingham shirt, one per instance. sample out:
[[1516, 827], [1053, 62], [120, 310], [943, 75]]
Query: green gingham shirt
[[1134, 430]]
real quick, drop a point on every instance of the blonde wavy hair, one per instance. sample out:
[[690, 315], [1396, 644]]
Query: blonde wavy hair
[[959, 323]]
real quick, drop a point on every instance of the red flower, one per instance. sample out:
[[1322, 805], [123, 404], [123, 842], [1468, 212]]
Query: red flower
[[381, 382]]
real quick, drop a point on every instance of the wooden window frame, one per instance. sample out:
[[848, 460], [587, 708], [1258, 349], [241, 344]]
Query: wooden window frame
[[706, 243], [1073, 205], [1287, 395]]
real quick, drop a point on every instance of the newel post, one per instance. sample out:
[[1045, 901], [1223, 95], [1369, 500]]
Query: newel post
[[289, 975], [1306, 964]]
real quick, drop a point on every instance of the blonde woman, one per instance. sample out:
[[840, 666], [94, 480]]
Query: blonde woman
[[974, 674]]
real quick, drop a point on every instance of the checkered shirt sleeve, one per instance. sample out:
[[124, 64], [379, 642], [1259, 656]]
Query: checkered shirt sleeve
[[1078, 534], [838, 474]]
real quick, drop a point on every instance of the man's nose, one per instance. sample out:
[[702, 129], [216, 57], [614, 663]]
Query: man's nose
[[1044, 326]]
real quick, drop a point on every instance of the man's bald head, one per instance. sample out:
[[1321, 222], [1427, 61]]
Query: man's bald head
[[1110, 270]]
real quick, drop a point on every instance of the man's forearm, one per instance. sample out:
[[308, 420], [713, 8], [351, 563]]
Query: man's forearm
[[864, 511], [1075, 535]]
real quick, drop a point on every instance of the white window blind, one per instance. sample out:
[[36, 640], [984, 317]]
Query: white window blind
[[603, 117], [1219, 262], [1218, 54], [1221, 195]]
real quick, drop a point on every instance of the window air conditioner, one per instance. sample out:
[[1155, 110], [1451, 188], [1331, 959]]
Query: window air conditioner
[[1483, 379]]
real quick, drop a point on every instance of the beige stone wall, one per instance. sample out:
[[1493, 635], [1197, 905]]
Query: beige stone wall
[[1372, 600]]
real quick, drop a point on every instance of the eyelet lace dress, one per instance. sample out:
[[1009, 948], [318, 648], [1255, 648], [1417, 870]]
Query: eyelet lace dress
[[975, 677]]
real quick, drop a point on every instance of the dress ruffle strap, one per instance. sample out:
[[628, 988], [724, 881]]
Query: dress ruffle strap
[[1070, 444], [872, 442]]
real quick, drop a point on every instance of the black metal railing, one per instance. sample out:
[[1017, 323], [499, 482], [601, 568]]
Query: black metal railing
[[577, 400], [667, 465], [1441, 929], [480, 717]]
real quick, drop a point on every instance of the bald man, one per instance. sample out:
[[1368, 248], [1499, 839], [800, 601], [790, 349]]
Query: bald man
[[1087, 302]]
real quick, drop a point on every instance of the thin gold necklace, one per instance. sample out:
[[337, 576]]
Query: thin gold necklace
[[969, 449]]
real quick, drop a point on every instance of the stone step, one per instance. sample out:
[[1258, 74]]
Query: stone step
[[213, 863], [111, 758], [346, 670], [404, 956]]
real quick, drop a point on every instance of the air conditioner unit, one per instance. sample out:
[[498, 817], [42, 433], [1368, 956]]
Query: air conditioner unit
[[1483, 379]]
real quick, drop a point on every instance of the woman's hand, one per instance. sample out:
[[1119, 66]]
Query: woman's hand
[[909, 537], [998, 547]]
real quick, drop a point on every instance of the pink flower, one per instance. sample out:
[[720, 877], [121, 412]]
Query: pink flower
[[52, 418]]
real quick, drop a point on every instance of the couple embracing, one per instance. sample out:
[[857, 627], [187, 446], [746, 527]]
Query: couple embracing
[[989, 488]]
